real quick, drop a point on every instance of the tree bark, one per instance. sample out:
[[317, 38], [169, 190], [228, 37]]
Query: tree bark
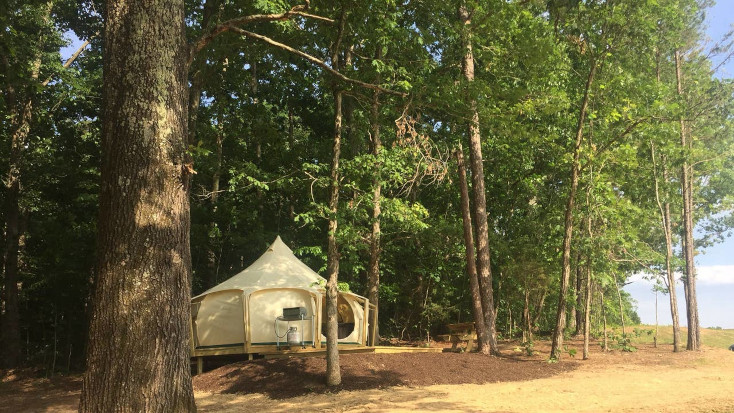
[[621, 307], [688, 250], [333, 373], [539, 308], [605, 346], [528, 331], [480, 202], [664, 208], [138, 355], [589, 263], [557, 341], [373, 268], [471, 265], [579, 299]]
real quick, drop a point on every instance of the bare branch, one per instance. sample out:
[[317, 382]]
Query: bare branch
[[73, 57], [255, 18], [315, 61]]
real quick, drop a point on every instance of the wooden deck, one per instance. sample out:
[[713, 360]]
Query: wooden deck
[[270, 352], [315, 352]]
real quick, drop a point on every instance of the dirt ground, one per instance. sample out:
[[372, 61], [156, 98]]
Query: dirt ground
[[651, 379]]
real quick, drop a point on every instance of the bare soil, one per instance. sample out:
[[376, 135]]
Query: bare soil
[[651, 379]]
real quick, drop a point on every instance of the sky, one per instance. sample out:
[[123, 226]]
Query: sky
[[715, 265]]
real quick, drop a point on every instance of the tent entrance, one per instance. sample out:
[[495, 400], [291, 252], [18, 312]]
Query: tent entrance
[[345, 317]]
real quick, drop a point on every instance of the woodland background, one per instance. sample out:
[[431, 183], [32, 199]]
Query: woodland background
[[261, 124]]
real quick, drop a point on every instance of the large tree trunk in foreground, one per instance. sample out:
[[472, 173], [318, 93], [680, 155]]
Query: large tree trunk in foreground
[[480, 201], [688, 254], [138, 356], [471, 264], [557, 341]]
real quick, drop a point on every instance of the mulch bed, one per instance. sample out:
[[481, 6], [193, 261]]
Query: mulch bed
[[284, 378]]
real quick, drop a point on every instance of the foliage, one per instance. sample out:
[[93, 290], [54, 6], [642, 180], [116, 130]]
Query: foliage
[[260, 142]]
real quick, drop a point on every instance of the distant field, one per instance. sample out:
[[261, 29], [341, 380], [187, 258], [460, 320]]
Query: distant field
[[710, 337]]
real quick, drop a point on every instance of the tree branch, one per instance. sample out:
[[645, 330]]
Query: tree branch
[[315, 61], [72, 58], [255, 18]]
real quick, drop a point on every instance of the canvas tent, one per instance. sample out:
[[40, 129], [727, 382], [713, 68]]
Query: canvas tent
[[240, 313]]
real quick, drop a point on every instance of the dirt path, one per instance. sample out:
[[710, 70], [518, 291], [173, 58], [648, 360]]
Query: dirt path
[[649, 380]]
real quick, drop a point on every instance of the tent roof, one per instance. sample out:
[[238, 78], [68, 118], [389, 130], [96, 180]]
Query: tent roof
[[277, 267]]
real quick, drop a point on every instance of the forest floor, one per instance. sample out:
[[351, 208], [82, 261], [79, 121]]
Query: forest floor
[[650, 379]]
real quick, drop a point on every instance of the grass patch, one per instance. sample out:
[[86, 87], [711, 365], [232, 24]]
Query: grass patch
[[720, 338]]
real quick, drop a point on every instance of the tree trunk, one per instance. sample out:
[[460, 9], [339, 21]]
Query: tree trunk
[[373, 268], [212, 253], [480, 202], [557, 341], [621, 307], [688, 253], [333, 373], [587, 312], [539, 308], [138, 355], [666, 224], [579, 299], [527, 330], [589, 263], [605, 346], [575, 310], [471, 265]]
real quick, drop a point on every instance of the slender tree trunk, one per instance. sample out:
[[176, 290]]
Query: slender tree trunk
[[539, 308], [333, 373], [557, 342], [605, 346], [138, 355], [480, 202], [589, 264], [212, 253], [587, 312], [471, 264], [575, 318], [573, 305], [688, 249], [621, 307], [655, 338], [373, 268], [527, 330], [670, 276]]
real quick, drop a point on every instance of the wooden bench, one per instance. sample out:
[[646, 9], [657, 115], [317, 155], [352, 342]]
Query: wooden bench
[[464, 332]]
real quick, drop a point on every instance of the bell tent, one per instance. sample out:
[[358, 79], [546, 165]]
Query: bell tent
[[245, 314]]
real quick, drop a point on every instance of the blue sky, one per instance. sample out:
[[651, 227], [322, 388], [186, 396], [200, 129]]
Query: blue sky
[[715, 265]]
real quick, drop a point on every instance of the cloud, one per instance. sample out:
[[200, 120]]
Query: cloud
[[715, 274], [707, 275]]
